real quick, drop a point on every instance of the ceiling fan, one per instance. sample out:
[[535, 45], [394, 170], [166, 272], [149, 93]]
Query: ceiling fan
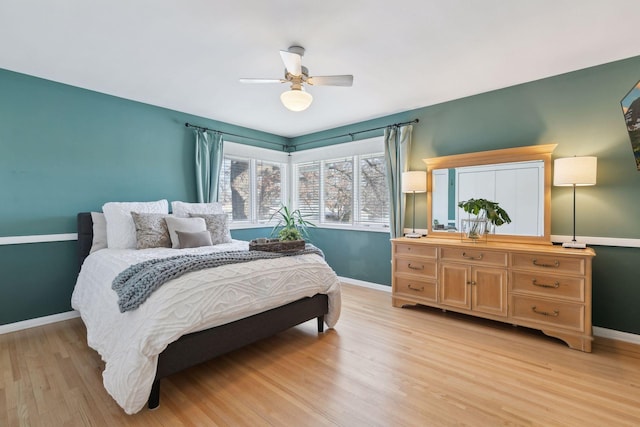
[[297, 99]]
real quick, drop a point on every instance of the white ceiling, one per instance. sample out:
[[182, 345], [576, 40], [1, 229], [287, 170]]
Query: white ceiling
[[188, 55]]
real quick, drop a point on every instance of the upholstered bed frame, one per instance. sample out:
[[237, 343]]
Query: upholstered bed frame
[[195, 348]]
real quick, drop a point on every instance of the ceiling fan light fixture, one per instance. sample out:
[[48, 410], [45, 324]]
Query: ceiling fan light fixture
[[296, 99]]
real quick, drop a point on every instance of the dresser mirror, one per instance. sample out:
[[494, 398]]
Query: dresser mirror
[[519, 179]]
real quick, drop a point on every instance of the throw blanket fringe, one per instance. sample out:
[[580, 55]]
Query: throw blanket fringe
[[136, 283]]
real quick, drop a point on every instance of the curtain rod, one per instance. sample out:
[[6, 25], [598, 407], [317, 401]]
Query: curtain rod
[[283, 146], [290, 148], [351, 134]]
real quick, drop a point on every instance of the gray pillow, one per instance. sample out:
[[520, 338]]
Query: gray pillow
[[194, 239], [217, 225], [183, 224], [151, 230]]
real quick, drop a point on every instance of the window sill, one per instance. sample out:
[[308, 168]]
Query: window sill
[[248, 225], [241, 226], [374, 229]]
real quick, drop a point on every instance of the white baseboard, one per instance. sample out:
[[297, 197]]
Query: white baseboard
[[616, 335], [364, 284], [39, 321]]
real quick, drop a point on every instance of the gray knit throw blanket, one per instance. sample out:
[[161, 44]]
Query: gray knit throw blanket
[[137, 282]]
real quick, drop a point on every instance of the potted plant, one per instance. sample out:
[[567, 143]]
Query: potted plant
[[291, 224], [486, 212]]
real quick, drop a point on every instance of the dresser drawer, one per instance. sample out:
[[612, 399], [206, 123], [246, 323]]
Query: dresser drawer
[[416, 288], [547, 312], [478, 256], [416, 250], [569, 288], [549, 263], [416, 266]]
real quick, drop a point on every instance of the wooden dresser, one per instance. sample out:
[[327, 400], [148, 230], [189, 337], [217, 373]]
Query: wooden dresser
[[543, 287]]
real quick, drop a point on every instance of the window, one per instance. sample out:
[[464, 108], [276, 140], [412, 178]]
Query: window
[[338, 191], [268, 188], [252, 188], [308, 194], [235, 188], [340, 185], [347, 190], [373, 203]]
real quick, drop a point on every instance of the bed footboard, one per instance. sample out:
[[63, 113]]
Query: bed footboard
[[199, 347]]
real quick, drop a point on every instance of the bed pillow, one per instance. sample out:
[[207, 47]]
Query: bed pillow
[[151, 230], [183, 209], [121, 230], [217, 225], [99, 232], [196, 239], [190, 225]]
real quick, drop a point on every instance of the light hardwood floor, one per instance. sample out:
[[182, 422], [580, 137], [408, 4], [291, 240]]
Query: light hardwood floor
[[381, 366]]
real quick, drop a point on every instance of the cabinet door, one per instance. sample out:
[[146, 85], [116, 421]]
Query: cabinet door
[[453, 287], [489, 290]]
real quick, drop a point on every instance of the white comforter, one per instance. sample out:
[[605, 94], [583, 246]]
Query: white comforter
[[130, 342]]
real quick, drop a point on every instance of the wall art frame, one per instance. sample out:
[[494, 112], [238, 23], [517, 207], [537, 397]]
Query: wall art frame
[[631, 110]]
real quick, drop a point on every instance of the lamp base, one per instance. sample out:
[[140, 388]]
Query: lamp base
[[574, 245], [413, 235]]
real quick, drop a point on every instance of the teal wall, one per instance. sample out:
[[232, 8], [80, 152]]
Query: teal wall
[[348, 252], [251, 233], [37, 279], [64, 150], [579, 111], [361, 255]]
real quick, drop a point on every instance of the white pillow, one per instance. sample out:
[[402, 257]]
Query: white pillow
[[121, 230], [183, 209], [99, 232], [189, 225]]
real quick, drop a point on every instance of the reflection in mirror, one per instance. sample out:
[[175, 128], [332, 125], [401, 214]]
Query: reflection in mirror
[[517, 186], [519, 179]]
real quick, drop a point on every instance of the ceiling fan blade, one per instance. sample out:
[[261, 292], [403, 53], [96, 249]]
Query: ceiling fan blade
[[344, 80], [292, 62], [262, 81]]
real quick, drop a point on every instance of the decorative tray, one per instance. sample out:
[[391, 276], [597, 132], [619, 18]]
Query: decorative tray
[[276, 245]]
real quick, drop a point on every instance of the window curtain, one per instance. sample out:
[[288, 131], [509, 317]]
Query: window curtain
[[208, 164], [397, 146]]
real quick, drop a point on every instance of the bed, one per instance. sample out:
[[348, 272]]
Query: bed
[[201, 331]]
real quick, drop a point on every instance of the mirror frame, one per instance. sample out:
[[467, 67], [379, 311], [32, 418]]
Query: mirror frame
[[506, 155]]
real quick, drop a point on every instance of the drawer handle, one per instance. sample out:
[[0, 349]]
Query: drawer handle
[[555, 264], [471, 282], [413, 267], [478, 258], [420, 289], [544, 285], [545, 313]]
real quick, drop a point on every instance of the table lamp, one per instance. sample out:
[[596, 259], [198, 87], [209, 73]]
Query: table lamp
[[574, 172], [414, 182]]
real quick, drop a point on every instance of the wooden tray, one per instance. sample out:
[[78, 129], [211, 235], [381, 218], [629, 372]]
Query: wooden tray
[[276, 245]]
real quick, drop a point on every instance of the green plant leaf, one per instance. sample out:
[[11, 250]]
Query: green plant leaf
[[291, 224], [488, 209]]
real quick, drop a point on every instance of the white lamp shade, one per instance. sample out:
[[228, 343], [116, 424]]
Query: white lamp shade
[[578, 171], [296, 99], [414, 181]]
